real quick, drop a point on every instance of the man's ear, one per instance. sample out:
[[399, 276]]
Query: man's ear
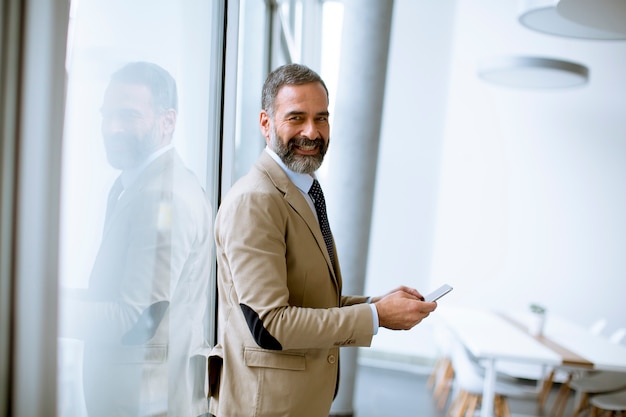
[[168, 122], [265, 125]]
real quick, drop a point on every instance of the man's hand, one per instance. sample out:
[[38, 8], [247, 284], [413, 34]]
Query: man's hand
[[411, 291], [402, 309]]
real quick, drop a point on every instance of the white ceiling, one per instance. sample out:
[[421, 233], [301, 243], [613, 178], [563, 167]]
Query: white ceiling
[[486, 28]]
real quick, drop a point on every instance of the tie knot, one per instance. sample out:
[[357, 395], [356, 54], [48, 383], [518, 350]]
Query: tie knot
[[316, 190]]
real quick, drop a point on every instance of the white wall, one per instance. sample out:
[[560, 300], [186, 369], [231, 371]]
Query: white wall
[[511, 196]]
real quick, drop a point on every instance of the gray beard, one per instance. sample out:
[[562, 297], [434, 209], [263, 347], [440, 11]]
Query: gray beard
[[302, 164]]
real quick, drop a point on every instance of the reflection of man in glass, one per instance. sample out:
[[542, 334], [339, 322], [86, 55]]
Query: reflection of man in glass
[[142, 317]]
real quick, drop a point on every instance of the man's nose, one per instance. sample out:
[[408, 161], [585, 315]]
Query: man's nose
[[310, 130], [112, 124]]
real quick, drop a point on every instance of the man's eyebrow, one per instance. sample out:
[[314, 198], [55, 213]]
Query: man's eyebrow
[[122, 111], [300, 113]]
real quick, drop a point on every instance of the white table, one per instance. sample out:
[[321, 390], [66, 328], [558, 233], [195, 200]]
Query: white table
[[496, 336]]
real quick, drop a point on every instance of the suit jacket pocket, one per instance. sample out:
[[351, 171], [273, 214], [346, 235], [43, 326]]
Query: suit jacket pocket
[[293, 361]]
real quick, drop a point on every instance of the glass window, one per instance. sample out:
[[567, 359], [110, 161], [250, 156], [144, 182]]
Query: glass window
[[272, 34], [138, 199], [252, 68]]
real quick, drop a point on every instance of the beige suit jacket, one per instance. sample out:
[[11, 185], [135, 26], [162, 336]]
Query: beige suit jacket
[[281, 315]]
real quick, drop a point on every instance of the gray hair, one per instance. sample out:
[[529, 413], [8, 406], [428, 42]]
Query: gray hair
[[289, 74], [158, 80]]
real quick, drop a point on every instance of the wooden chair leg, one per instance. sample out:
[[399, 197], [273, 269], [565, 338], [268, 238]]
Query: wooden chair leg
[[437, 381], [433, 374], [545, 388], [443, 398], [463, 405], [444, 394], [453, 405], [442, 378], [501, 406], [458, 403], [471, 407], [439, 369], [505, 406], [497, 406], [584, 400], [561, 400]]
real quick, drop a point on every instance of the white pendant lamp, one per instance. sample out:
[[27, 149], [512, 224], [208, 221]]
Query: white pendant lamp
[[582, 19], [532, 72], [607, 15]]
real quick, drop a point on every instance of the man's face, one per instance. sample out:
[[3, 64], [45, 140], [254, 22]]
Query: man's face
[[131, 127], [299, 131]]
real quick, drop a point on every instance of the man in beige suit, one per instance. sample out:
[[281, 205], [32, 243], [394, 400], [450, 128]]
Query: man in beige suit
[[143, 315], [282, 317]]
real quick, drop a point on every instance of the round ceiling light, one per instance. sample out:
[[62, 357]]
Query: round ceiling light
[[546, 17], [532, 72], [607, 15]]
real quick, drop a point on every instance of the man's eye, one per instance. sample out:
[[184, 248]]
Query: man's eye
[[121, 115], [128, 115]]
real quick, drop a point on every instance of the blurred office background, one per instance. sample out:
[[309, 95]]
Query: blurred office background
[[511, 194]]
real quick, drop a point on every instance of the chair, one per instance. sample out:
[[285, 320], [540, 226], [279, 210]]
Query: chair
[[599, 383], [618, 335], [591, 383], [613, 403], [563, 375], [530, 372], [441, 380], [468, 385], [598, 326], [544, 377], [442, 375]]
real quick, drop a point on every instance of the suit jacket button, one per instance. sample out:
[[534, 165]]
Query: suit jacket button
[[331, 359]]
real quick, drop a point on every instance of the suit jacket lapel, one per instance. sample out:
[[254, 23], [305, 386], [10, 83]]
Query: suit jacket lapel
[[294, 197], [152, 171]]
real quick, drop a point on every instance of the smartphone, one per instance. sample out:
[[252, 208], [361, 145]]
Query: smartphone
[[438, 293]]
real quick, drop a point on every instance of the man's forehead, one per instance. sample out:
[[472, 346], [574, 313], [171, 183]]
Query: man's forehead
[[127, 92], [301, 97]]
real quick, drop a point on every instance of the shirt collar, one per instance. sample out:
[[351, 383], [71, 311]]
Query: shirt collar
[[302, 181]]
